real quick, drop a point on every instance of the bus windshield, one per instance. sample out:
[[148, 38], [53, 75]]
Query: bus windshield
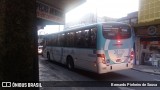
[[116, 31]]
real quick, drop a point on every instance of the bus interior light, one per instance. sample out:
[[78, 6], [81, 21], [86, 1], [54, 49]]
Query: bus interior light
[[86, 30]]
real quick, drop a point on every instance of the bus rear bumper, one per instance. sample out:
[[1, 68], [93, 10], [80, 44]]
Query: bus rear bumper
[[115, 67]]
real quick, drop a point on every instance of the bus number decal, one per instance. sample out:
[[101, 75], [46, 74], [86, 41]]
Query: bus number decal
[[119, 53]]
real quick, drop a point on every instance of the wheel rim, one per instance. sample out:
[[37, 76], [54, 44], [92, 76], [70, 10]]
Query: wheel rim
[[70, 64]]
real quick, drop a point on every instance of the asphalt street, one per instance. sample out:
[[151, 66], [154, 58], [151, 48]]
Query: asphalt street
[[51, 71]]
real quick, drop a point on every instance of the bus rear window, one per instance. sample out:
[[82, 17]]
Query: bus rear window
[[114, 31]]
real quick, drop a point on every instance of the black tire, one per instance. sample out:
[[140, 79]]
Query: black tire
[[70, 63], [48, 56]]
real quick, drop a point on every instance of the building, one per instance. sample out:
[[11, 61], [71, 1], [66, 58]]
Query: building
[[149, 10], [147, 31], [131, 18]]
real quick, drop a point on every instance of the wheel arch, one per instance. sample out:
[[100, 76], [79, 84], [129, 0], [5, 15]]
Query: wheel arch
[[69, 56]]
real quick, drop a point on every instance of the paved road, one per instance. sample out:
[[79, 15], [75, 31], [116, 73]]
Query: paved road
[[52, 71]]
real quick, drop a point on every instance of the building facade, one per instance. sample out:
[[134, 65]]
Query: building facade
[[149, 10], [148, 32]]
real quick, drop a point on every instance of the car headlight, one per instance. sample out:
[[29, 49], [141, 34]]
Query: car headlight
[[39, 51]]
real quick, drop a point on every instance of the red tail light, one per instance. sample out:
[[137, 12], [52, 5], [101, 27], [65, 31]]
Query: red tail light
[[102, 56]]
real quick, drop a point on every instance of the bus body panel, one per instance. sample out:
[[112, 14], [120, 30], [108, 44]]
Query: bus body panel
[[57, 53], [83, 58]]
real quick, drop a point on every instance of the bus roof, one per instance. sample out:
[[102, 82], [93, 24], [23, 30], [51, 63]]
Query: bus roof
[[85, 26]]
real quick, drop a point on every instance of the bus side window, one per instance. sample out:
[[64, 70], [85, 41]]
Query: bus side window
[[46, 41], [67, 39], [93, 37], [63, 39], [78, 39], [72, 34], [51, 41], [85, 40], [60, 39], [54, 42]]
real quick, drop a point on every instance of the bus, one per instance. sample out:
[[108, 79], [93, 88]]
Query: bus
[[99, 48]]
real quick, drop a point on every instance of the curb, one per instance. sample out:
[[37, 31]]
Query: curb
[[146, 71]]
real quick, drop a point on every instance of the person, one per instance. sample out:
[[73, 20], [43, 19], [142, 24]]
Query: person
[[154, 61]]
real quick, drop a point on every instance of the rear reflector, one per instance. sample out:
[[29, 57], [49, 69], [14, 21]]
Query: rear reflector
[[102, 56], [132, 55]]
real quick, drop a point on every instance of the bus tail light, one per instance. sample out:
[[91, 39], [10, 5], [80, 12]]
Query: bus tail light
[[131, 56], [102, 56]]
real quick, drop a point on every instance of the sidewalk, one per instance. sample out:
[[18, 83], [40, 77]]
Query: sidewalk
[[147, 69]]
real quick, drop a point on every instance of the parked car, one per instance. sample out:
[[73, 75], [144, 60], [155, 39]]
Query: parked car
[[40, 49]]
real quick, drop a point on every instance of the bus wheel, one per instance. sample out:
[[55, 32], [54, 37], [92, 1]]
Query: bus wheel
[[70, 63], [48, 56]]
